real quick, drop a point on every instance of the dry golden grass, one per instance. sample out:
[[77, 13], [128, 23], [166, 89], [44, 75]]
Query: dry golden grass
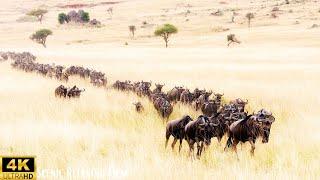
[[276, 67], [102, 131]]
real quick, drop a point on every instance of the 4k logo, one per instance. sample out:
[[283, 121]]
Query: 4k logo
[[17, 168]]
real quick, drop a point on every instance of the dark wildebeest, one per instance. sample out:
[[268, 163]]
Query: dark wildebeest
[[218, 98], [196, 104], [249, 129], [197, 93], [165, 109], [74, 92], [204, 97], [175, 128], [240, 104], [158, 88], [144, 89], [186, 96], [174, 94], [163, 106], [195, 132], [139, 107], [209, 108], [61, 91]]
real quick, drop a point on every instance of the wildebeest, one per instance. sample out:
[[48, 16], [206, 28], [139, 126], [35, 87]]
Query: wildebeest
[[218, 98], [175, 93], [196, 104], [138, 106], [195, 132], [143, 89], [175, 128], [209, 108], [74, 92], [61, 91], [239, 103], [197, 93], [204, 97], [158, 88], [186, 96], [163, 106], [249, 129]]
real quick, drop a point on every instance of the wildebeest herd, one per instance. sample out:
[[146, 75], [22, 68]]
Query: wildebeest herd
[[163, 102], [26, 61], [239, 127], [217, 119]]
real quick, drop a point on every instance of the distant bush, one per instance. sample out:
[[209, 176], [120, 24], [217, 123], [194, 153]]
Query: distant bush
[[40, 36], [63, 18], [85, 16]]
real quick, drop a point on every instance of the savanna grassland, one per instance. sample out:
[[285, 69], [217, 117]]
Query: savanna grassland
[[276, 66]]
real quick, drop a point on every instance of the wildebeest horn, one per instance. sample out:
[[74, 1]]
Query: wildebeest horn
[[246, 101]]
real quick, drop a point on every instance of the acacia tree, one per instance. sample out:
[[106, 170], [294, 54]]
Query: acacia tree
[[40, 36], [38, 13], [132, 29], [165, 31], [249, 16]]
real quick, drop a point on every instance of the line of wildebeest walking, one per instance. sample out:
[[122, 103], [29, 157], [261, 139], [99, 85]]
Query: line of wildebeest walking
[[217, 119]]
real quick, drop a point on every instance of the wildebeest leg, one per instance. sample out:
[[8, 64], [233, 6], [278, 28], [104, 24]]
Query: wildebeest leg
[[252, 147], [191, 147], [234, 146], [180, 145], [174, 143], [229, 43], [167, 138], [198, 147], [201, 148]]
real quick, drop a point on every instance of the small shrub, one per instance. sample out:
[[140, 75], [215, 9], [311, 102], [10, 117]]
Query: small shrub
[[85, 17], [40, 36], [63, 18]]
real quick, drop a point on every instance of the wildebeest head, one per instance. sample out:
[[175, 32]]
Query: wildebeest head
[[207, 94], [203, 127], [186, 120], [218, 96], [265, 120], [240, 104], [159, 86]]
